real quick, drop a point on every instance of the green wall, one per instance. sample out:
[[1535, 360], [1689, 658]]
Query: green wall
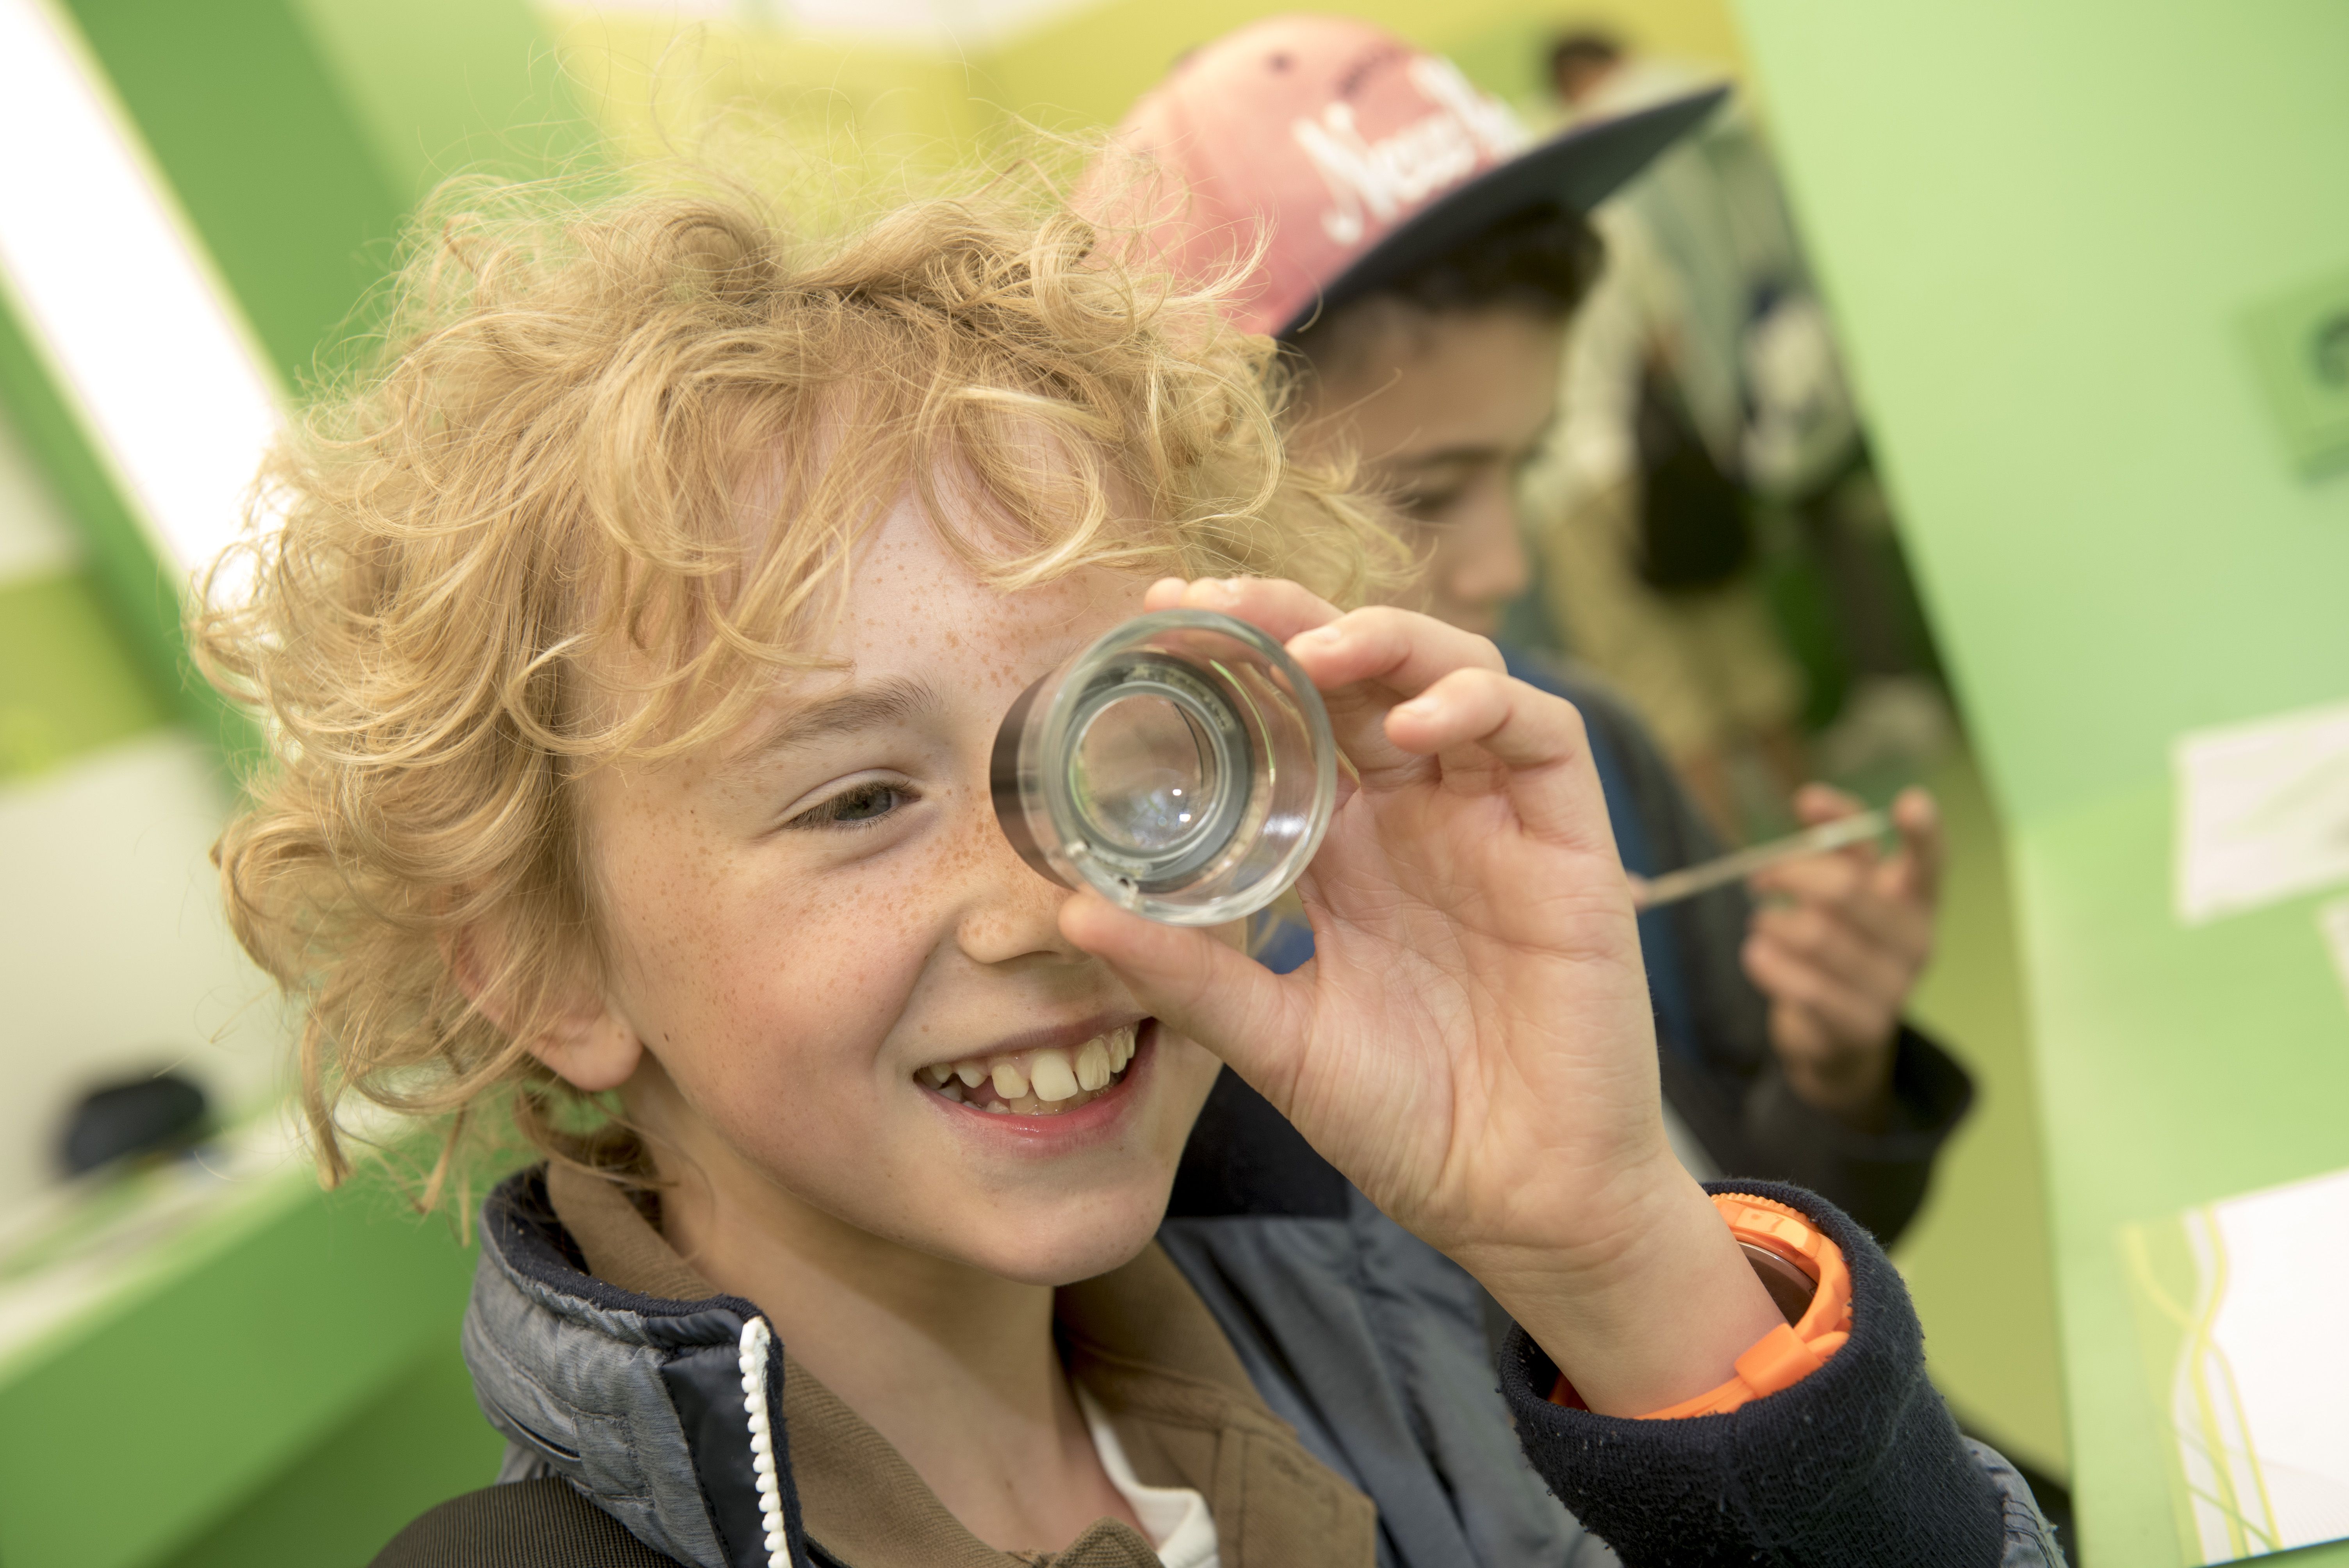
[[420, 1441], [295, 135], [237, 109], [2042, 228], [2039, 226], [438, 86]]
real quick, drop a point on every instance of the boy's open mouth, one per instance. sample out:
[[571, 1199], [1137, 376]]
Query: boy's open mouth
[[1040, 1082]]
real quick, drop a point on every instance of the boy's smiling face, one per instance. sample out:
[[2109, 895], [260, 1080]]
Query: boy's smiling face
[[804, 918]]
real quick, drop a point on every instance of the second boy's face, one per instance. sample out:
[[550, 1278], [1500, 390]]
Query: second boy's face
[[858, 1016], [1443, 416]]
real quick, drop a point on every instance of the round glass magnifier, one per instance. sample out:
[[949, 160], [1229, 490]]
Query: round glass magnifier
[[1182, 765]]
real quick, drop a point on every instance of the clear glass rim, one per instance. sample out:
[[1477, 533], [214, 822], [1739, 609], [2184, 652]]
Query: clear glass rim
[[1046, 737]]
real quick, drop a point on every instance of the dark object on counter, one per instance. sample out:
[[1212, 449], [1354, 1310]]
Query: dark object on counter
[[152, 1115]]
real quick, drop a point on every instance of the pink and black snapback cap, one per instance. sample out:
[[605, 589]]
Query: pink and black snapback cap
[[1359, 158]]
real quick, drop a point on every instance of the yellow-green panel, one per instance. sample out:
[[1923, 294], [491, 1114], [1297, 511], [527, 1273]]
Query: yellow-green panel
[[660, 89], [67, 682], [2175, 1066], [1084, 70], [655, 83]]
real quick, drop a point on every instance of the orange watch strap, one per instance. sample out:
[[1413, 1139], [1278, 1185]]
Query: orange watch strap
[[1791, 1351]]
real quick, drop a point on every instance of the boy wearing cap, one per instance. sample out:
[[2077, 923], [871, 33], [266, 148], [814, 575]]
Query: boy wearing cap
[[1419, 258]]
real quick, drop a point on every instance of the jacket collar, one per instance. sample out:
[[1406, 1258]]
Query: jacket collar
[[637, 1398], [583, 1316]]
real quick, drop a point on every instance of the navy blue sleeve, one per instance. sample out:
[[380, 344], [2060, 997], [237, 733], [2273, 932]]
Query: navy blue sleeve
[[1858, 1464]]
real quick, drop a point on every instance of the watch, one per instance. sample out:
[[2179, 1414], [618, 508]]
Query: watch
[[1806, 1278]]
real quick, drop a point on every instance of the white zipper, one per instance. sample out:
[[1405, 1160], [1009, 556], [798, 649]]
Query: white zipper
[[757, 1343]]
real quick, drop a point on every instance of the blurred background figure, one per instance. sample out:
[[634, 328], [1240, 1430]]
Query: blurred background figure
[[1706, 491]]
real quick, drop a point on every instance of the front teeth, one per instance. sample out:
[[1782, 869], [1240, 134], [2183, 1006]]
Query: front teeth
[[1035, 1083], [1050, 1075]]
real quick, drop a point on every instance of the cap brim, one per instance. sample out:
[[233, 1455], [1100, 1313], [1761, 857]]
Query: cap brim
[[1579, 170]]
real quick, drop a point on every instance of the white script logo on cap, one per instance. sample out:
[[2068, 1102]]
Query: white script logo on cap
[[1398, 171]]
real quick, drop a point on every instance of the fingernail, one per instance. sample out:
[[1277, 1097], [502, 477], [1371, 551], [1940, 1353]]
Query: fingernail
[[1418, 708], [1323, 636]]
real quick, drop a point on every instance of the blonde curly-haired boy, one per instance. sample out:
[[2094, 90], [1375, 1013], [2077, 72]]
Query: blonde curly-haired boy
[[632, 647]]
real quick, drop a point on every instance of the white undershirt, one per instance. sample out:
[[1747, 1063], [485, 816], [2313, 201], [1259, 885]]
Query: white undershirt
[[1175, 1518]]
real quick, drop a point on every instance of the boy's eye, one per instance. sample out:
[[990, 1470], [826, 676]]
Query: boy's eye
[[1428, 506], [855, 807]]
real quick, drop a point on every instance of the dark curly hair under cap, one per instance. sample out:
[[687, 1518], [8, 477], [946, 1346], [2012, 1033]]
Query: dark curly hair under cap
[[1543, 259]]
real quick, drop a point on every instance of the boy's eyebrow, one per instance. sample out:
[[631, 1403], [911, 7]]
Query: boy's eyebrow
[[1447, 457], [884, 701]]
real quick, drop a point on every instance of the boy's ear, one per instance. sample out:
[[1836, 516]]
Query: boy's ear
[[592, 1048], [585, 1044]]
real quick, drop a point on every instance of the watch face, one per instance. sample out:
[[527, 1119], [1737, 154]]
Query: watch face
[[1788, 1286]]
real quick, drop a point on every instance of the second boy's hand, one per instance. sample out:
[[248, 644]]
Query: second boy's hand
[[1472, 1044]]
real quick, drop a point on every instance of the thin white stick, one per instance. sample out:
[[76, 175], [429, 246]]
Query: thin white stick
[[1828, 836]]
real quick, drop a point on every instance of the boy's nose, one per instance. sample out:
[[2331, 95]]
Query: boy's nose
[[1491, 567], [1010, 910]]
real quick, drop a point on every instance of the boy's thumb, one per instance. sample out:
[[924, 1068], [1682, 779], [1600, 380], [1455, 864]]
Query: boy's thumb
[[1191, 983]]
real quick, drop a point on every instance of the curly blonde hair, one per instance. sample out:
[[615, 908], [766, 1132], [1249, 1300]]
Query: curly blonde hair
[[593, 496]]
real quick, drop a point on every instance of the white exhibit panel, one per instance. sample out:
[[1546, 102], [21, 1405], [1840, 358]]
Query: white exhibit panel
[[115, 952], [2262, 812]]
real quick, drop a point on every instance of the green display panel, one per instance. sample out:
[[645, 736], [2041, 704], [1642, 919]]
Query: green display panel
[[173, 1411], [2052, 236]]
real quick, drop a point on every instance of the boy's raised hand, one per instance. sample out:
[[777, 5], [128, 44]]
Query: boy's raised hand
[[1838, 944], [1472, 1043]]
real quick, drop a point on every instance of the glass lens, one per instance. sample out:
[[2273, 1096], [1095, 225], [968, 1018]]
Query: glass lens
[[1142, 776], [1182, 765]]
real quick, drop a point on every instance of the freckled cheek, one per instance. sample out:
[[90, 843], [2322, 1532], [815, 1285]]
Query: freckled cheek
[[744, 989]]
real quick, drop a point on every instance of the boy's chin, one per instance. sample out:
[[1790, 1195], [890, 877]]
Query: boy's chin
[[1057, 1242]]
